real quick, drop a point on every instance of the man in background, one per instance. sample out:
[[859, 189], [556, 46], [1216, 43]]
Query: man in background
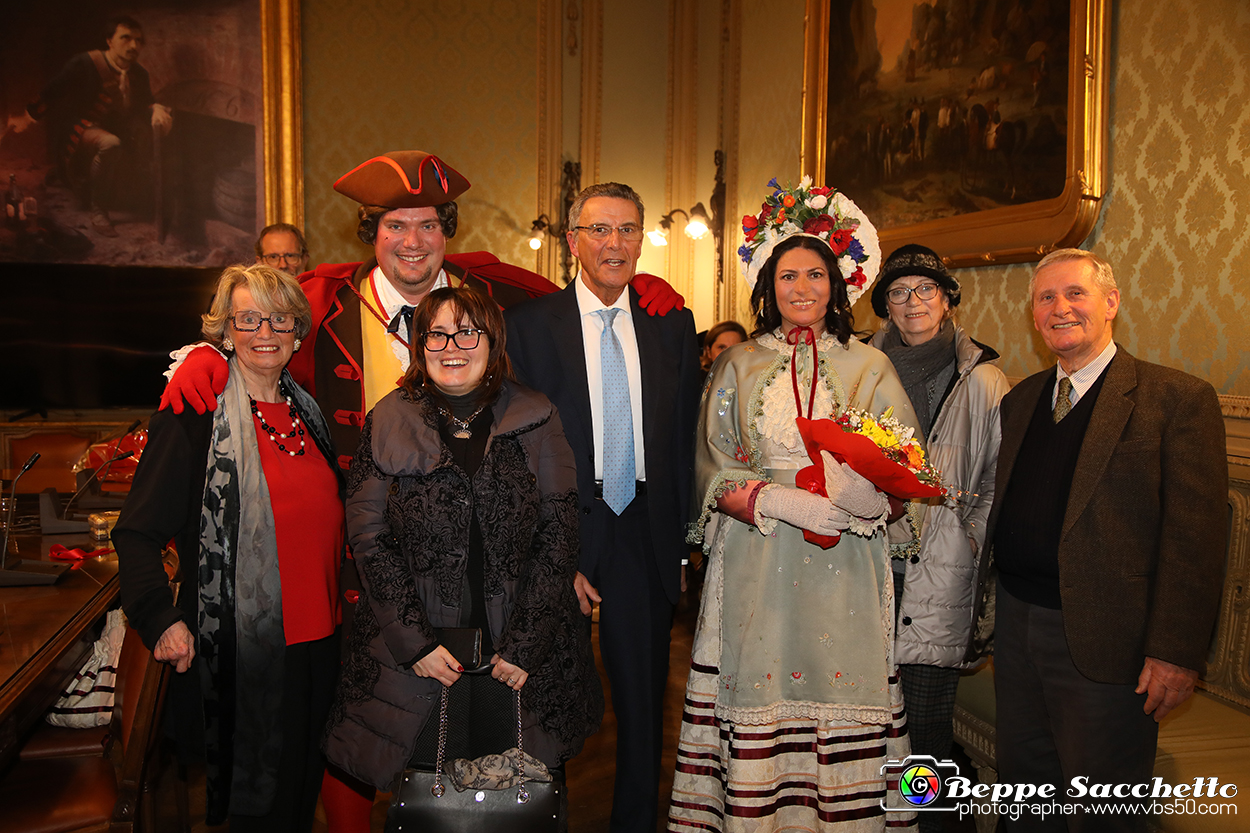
[[282, 246]]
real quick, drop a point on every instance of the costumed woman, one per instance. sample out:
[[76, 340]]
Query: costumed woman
[[461, 513], [793, 703], [252, 498], [955, 386]]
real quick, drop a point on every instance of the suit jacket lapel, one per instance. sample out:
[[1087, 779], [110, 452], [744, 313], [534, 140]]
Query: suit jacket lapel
[[1106, 424], [566, 334], [651, 354]]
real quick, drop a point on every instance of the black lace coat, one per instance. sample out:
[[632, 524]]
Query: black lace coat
[[408, 516]]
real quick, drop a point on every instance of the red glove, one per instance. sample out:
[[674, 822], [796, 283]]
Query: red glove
[[657, 296], [197, 381]]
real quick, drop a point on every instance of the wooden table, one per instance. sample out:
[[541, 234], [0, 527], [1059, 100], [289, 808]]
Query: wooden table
[[46, 634]]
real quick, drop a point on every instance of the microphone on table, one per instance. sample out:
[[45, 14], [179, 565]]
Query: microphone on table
[[8, 520], [103, 466], [26, 572], [97, 475]]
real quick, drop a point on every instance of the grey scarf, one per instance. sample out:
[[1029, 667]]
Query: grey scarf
[[925, 369]]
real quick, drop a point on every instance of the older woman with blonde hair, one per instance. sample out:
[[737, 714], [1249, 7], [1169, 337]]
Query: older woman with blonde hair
[[252, 499]]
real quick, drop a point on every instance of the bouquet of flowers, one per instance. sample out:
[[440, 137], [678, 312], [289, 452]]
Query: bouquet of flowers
[[880, 449]]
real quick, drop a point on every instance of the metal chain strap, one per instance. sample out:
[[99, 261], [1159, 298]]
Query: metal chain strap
[[522, 795], [437, 790]]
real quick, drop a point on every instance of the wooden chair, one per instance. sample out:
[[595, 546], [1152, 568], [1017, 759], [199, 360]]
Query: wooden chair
[[96, 792], [50, 741], [60, 451]]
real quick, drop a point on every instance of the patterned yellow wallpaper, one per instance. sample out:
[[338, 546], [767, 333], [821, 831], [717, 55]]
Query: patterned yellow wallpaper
[[455, 79], [1173, 223], [770, 120], [460, 79]]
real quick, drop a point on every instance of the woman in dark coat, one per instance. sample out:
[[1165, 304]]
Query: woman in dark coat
[[252, 498], [461, 512]]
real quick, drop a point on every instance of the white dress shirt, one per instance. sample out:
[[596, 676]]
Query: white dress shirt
[[1085, 377], [392, 302], [588, 304]]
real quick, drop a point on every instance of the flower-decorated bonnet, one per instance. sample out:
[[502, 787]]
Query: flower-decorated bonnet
[[823, 213]]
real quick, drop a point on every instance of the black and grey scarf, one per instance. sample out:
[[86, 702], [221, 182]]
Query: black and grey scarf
[[241, 636], [925, 369]]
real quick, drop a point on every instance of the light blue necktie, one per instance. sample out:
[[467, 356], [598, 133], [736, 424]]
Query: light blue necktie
[[618, 419]]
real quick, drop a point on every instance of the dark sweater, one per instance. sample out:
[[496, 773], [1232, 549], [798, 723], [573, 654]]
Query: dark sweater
[[1026, 539]]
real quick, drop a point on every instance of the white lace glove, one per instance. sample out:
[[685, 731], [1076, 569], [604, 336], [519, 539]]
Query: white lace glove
[[852, 492], [802, 509]]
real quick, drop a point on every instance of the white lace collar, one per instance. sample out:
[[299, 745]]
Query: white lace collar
[[777, 407]]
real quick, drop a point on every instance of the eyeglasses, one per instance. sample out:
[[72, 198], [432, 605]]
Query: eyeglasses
[[628, 232], [274, 258], [249, 321], [435, 341], [925, 292]]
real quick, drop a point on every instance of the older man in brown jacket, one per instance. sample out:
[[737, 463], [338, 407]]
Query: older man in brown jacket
[[1108, 537]]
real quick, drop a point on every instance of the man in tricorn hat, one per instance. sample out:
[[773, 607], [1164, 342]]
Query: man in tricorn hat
[[357, 349]]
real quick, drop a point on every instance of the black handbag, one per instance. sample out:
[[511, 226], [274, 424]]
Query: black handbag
[[424, 803]]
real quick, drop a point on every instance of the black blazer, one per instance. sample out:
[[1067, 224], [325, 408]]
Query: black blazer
[[547, 352]]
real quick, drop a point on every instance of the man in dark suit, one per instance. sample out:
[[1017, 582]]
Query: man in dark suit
[[1108, 537], [625, 385]]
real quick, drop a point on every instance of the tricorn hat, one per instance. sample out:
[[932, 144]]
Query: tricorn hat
[[402, 179], [913, 260]]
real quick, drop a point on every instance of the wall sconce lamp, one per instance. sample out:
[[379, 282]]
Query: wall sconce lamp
[[538, 234], [698, 224]]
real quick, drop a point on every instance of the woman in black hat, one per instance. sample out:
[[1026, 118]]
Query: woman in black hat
[[955, 387]]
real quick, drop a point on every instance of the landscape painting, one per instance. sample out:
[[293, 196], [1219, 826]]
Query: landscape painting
[[944, 108]]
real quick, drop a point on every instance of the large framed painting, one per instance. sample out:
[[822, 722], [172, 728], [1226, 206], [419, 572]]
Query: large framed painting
[[107, 263], [159, 133], [975, 127]]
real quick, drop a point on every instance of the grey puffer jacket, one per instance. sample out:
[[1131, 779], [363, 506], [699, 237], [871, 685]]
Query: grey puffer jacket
[[935, 616]]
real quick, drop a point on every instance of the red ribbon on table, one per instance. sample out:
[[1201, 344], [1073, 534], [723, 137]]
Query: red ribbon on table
[[58, 552]]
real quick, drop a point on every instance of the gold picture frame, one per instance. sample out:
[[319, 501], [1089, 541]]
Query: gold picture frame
[[283, 85], [1015, 233], [189, 193]]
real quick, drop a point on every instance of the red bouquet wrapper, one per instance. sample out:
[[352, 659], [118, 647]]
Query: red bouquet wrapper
[[864, 456]]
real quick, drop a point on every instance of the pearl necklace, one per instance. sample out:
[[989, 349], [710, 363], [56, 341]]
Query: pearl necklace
[[297, 428]]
